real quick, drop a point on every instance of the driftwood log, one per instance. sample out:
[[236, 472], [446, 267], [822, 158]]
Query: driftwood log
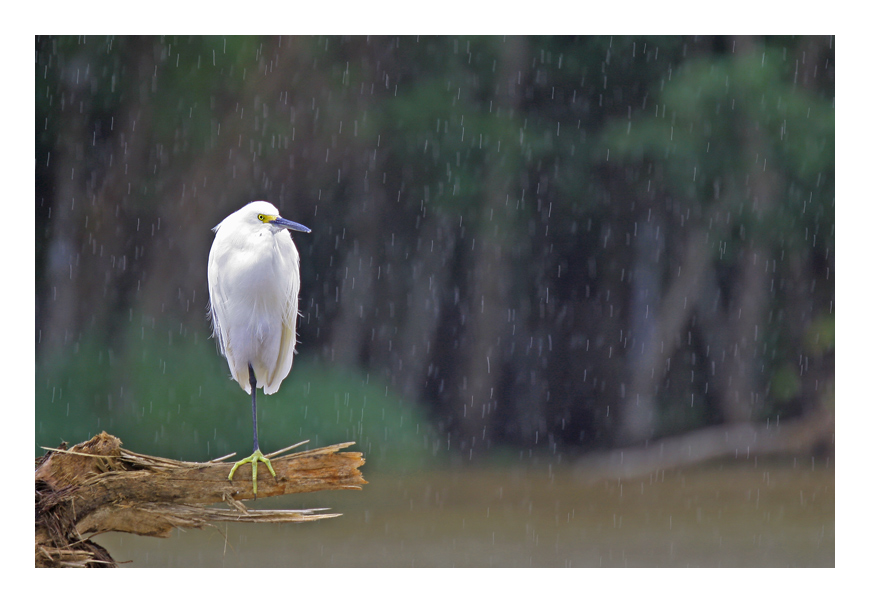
[[807, 436], [98, 487]]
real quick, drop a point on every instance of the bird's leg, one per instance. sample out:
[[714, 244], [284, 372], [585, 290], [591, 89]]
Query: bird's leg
[[257, 455], [253, 382]]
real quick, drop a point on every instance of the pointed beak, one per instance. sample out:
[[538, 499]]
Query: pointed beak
[[279, 221]]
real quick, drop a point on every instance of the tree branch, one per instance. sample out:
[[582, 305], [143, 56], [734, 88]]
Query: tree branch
[[800, 436], [97, 487]]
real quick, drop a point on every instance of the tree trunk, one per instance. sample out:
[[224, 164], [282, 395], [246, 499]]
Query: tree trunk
[[658, 328], [491, 273], [739, 328]]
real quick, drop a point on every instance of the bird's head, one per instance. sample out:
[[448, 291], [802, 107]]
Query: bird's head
[[258, 213]]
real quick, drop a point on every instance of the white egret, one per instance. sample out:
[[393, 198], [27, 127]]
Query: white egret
[[253, 289]]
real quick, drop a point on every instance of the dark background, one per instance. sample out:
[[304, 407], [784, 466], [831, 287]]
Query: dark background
[[555, 243]]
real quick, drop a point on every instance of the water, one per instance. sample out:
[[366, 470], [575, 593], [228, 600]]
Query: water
[[729, 515]]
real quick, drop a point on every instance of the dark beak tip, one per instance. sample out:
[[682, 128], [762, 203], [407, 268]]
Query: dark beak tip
[[292, 225]]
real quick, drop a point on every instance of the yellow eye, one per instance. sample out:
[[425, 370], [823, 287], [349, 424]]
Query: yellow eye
[[261, 218]]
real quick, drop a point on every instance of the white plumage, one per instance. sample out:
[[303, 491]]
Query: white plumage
[[253, 289]]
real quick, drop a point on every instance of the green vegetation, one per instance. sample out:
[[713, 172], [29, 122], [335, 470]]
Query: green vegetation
[[168, 393]]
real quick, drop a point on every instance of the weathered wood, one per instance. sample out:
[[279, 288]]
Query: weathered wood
[[800, 436], [97, 487]]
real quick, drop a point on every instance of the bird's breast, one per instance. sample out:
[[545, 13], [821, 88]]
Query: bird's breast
[[259, 276]]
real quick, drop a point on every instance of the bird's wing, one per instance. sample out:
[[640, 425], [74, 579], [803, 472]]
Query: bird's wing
[[287, 344], [286, 350], [218, 313], [214, 297]]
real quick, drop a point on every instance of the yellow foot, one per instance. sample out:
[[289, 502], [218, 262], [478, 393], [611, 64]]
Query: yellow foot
[[257, 456]]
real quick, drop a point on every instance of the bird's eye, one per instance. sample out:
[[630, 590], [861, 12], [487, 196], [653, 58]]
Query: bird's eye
[[261, 218]]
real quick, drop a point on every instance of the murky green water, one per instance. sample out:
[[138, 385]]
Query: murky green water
[[720, 515]]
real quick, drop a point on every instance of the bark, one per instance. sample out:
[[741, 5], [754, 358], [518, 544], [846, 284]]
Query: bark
[[97, 487]]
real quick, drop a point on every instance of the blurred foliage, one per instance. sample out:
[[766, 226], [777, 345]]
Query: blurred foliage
[[708, 110], [171, 395], [819, 336], [785, 384], [394, 149], [449, 126]]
